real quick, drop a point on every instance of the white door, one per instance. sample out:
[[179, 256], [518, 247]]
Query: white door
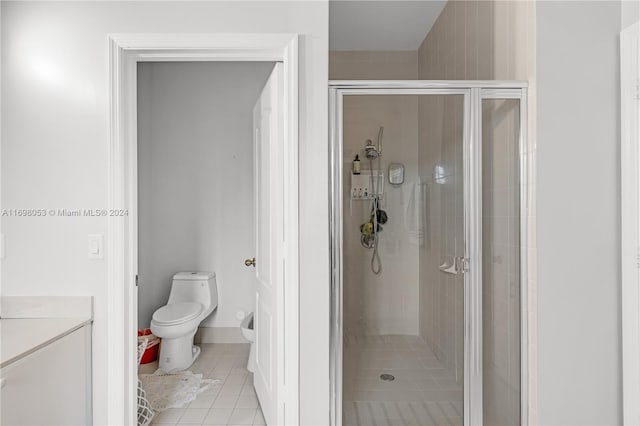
[[269, 258], [630, 224]]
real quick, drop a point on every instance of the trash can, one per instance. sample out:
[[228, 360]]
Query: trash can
[[151, 352]]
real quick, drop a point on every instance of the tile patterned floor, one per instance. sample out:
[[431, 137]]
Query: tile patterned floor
[[231, 402], [423, 393]]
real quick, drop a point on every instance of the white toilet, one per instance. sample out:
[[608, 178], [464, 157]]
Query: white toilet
[[247, 326], [194, 295]]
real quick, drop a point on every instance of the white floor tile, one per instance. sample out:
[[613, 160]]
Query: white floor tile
[[203, 401], [231, 402], [248, 401], [193, 416], [170, 416], [242, 416], [247, 388], [225, 401], [218, 416], [259, 418], [236, 378], [231, 389]]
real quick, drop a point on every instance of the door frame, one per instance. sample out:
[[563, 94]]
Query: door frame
[[125, 51], [630, 220], [474, 92]]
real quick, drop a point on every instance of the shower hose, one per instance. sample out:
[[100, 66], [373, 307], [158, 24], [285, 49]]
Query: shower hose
[[376, 263]]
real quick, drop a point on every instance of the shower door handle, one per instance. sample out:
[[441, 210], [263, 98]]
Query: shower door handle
[[459, 265], [450, 269], [462, 264]]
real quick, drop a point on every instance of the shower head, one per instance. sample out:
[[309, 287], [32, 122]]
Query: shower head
[[370, 151]]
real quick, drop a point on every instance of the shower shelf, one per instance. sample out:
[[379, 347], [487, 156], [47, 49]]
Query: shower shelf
[[360, 185]]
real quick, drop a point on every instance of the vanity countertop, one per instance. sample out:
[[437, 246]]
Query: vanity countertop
[[23, 336]]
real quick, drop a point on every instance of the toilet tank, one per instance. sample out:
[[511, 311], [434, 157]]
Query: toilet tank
[[195, 287]]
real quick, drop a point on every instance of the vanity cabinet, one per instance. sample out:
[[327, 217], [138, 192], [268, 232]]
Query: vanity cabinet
[[50, 385]]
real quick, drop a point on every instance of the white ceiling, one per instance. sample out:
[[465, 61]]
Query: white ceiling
[[381, 25]]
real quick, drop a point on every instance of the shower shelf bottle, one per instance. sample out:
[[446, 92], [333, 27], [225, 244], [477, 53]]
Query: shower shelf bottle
[[356, 165]]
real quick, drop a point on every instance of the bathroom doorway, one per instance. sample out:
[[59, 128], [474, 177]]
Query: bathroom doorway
[[429, 203], [274, 57], [205, 199]]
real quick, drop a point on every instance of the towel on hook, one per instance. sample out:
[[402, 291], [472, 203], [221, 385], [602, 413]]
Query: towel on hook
[[413, 218]]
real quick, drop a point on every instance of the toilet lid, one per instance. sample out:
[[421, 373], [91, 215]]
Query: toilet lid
[[177, 312]]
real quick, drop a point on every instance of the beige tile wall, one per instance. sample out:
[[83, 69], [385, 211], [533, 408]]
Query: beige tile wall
[[385, 303], [494, 40], [373, 65]]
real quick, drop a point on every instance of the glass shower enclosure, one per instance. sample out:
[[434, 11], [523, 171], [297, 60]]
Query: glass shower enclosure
[[429, 296]]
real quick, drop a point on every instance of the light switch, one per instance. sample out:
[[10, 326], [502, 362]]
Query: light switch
[[95, 246]]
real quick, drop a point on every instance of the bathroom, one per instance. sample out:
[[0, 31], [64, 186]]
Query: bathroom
[[67, 144], [196, 214]]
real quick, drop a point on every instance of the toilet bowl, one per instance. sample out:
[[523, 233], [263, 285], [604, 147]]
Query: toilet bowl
[[247, 326], [193, 297]]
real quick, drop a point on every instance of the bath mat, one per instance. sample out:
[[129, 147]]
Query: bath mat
[[173, 390]]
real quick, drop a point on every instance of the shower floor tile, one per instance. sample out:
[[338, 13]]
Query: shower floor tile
[[422, 393]]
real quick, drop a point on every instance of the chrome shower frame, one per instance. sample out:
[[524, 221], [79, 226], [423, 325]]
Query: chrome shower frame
[[474, 92]]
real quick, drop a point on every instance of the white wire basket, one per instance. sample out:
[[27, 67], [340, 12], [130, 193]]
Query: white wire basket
[[145, 413]]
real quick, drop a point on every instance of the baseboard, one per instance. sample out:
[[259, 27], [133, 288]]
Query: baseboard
[[219, 335]]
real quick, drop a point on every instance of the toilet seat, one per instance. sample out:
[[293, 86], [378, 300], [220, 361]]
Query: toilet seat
[[177, 313]]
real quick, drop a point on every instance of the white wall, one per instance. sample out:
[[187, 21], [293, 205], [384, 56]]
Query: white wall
[[629, 13], [578, 213], [195, 180], [55, 140]]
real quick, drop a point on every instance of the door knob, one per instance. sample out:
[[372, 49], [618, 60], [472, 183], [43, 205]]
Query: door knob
[[250, 262]]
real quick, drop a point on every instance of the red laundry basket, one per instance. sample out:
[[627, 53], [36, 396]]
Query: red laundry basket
[[151, 353]]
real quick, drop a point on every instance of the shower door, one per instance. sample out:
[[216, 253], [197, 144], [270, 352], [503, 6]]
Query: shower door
[[410, 343], [404, 356]]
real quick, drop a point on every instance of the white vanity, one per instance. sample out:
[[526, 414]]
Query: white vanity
[[45, 361]]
